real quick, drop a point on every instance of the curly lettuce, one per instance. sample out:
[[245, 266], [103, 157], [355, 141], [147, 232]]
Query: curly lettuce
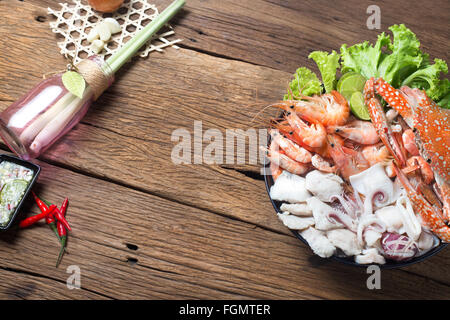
[[405, 56], [328, 65], [399, 62], [427, 78], [305, 82], [364, 58], [445, 101]]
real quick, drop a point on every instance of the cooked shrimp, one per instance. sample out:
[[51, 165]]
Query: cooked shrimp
[[328, 109], [292, 150], [322, 165], [409, 141], [285, 162], [289, 133], [362, 132], [376, 153], [417, 162], [348, 161], [275, 170], [314, 135]]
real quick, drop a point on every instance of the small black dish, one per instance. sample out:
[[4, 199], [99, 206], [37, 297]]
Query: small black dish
[[390, 264], [36, 170]]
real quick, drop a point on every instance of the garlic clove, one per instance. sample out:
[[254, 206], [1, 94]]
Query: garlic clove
[[113, 25], [93, 34], [97, 46], [104, 32]]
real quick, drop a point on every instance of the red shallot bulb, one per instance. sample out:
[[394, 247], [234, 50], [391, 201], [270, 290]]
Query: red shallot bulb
[[398, 247]]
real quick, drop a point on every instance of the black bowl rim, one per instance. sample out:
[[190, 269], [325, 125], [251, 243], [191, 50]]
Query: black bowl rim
[[390, 264], [27, 164]]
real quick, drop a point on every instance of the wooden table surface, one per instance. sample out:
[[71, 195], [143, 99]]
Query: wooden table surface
[[145, 228]]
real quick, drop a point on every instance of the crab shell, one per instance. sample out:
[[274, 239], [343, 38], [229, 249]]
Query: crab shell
[[430, 122]]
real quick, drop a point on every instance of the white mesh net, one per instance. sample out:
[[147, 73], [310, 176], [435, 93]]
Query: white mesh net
[[75, 20]]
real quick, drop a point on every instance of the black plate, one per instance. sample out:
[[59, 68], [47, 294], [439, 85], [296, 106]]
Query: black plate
[[390, 264], [36, 170]]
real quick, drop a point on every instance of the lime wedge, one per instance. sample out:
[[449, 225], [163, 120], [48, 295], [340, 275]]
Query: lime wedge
[[341, 79], [13, 191], [358, 107], [347, 95], [352, 82]]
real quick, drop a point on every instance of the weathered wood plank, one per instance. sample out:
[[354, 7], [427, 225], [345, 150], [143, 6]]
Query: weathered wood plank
[[24, 286], [182, 252], [130, 151], [281, 34], [135, 149]]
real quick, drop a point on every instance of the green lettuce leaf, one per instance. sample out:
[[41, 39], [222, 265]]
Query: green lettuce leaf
[[328, 65], [363, 57], [428, 78], [405, 56], [305, 82], [441, 93], [399, 62], [445, 101]]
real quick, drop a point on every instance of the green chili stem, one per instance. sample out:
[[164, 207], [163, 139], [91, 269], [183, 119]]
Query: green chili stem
[[61, 252], [117, 60], [53, 226]]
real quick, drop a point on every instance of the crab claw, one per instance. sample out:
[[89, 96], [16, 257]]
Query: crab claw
[[380, 122], [397, 99], [431, 216]]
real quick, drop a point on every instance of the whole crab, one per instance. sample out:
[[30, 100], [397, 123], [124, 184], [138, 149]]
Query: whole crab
[[430, 124]]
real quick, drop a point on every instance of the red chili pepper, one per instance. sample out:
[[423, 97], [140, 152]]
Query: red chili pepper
[[50, 219], [39, 202], [33, 219], [64, 207], [57, 212], [54, 226], [60, 218]]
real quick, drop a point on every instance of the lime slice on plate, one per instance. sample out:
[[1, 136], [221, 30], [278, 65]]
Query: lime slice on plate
[[358, 107], [352, 82], [13, 190]]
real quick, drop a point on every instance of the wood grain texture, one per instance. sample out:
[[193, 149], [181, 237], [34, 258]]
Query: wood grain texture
[[281, 34], [131, 125], [16, 285], [182, 252], [202, 231]]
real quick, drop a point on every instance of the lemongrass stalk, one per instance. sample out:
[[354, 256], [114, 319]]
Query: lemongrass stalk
[[117, 60], [58, 123], [36, 126]]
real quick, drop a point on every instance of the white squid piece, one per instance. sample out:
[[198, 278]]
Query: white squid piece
[[294, 222], [392, 218], [318, 242], [298, 209], [369, 256], [377, 188], [411, 225], [345, 240], [324, 185], [321, 213], [289, 187], [426, 242], [372, 237]]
